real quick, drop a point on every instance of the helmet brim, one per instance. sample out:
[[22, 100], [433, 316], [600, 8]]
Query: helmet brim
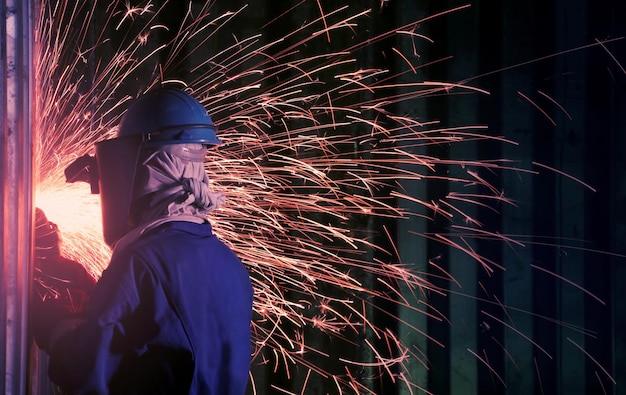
[[185, 134]]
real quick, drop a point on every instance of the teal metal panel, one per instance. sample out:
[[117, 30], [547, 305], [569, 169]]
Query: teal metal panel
[[569, 86], [463, 306], [519, 367]]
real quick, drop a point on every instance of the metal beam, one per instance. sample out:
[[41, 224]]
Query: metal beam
[[16, 168]]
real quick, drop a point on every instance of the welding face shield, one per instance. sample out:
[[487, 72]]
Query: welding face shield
[[161, 117]]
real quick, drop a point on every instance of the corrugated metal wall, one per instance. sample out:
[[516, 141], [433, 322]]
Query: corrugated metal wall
[[524, 329], [552, 321], [532, 331], [559, 95]]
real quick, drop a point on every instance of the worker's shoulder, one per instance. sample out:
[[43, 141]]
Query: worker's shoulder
[[180, 237], [178, 230]]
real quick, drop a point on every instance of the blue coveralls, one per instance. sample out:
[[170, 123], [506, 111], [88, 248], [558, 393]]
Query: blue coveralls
[[172, 309]]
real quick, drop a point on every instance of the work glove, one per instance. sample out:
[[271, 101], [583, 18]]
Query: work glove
[[62, 289], [55, 275], [50, 318], [57, 282]]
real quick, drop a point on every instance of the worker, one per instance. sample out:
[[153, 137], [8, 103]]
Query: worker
[[171, 313]]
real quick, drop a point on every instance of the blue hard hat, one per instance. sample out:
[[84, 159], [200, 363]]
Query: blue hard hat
[[166, 116]]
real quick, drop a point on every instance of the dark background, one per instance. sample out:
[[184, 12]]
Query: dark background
[[554, 89]]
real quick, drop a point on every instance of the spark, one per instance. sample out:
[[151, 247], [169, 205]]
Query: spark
[[593, 359], [556, 103], [488, 366], [131, 12], [312, 150], [538, 371], [406, 60], [569, 282], [537, 107], [518, 332], [600, 382], [553, 55], [324, 20], [602, 44], [592, 189]]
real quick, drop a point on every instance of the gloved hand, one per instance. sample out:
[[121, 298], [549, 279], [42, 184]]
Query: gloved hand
[[46, 316], [55, 275], [56, 281], [62, 286]]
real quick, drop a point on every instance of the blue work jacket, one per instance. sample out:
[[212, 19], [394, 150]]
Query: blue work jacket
[[170, 314]]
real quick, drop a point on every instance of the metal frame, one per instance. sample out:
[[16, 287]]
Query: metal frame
[[16, 168]]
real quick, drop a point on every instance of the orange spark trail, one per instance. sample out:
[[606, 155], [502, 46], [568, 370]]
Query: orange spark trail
[[555, 103], [314, 157], [569, 282], [537, 107], [602, 44], [566, 175], [593, 359]]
